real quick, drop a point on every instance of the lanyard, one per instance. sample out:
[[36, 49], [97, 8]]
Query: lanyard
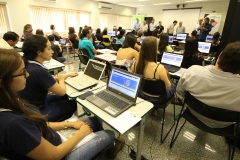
[[35, 62]]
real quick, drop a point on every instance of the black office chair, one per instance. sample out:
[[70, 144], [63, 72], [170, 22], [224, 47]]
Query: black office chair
[[196, 61], [75, 49], [83, 57], [56, 37], [212, 113], [213, 49], [157, 87], [116, 46]]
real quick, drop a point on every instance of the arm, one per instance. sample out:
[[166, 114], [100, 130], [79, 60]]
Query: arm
[[137, 47], [60, 125], [164, 75], [136, 55], [60, 48], [94, 51]]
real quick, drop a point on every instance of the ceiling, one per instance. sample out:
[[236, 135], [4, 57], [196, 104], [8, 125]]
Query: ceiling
[[144, 3]]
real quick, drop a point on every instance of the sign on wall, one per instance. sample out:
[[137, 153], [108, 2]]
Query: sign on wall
[[215, 20]]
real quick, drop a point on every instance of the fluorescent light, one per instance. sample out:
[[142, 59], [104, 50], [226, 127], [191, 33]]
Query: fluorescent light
[[196, 1], [138, 5], [143, 0], [161, 4]]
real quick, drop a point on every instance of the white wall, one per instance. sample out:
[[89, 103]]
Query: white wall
[[157, 13], [19, 10]]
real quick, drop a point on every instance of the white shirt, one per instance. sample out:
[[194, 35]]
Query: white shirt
[[180, 29], [137, 25], [196, 28], [171, 29], [144, 27], [152, 26], [4, 44]]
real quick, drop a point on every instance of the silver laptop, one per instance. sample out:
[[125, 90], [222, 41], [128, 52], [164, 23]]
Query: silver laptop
[[91, 76], [172, 61], [120, 94], [63, 42], [204, 47]]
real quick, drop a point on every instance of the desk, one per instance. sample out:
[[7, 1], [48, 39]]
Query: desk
[[140, 110], [106, 57], [53, 65], [106, 51], [178, 74]]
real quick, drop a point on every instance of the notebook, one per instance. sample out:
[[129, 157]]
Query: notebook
[[172, 61], [204, 47], [120, 94], [62, 41], [90, 77]]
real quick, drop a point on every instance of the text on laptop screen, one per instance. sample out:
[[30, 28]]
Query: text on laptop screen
[[172, 59], [182, 36], [142, 38], [170, 39], [209, 38], [204, 47], [62, 41], [111, 33], [94, 69], [124, 82]]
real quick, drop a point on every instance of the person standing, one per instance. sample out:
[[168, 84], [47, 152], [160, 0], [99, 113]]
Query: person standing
[[137, 25], [144, 28], [152, 26], [160, 29], [204, 30], [170, 29], [180, 28], [198, 25]]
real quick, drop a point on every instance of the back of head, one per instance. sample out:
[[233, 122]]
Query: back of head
[[32, 45], [229, 59], [154, 33], [120, 35], [104, 32], [39, 32], [119, 28], [10, 36], [52, 26], [148, 53], [215, 38], [26, 27], [191, 47], [140, 33], [163, 42], [129, 41], [85, 32], [194, 33], [71, 30], [51, 38], [98, 31]]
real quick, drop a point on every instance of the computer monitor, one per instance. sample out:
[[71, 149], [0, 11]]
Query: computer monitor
[[181, 36], [170, 39], [142, 38], [111, 33], [209, 38], [204, 47], [128, 30]]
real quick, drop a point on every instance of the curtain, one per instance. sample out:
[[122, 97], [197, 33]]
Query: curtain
[[4, 19]]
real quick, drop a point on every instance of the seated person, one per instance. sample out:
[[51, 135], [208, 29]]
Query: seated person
[[56, 106], [106, 36], [54, 33], [194, 34], [30, 135], [56, 49], [85, 43], [127, 54], [147, 66], [39, 32], [191, 53], [215, 40], [98, 35], [139, 34], [163, 46], [121, 37], [73, 37], [27, 31], [93, 39], [9, 40], [217, 86]]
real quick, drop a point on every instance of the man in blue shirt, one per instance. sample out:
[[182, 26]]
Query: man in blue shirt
[[85, 43], [137, 25], [204, 30]]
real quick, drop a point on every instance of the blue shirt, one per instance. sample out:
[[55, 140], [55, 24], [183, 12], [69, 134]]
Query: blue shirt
[[37, 84], [203, 34], [120, 41], [86, 44], [137, 25]]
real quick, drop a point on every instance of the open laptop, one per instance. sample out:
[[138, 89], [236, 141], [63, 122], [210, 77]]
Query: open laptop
[[172, 61], [204, 47], [62, 42], [90, 77], [142, 38], [170, 40], [111, 33], [209, 38], [120, 94], [181, 36]]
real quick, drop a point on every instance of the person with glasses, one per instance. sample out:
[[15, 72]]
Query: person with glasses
[[26, 133], [57, 105]]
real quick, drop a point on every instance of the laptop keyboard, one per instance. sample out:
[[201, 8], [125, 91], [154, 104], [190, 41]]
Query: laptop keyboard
[[83, 80], [112, 99], [171, 68]]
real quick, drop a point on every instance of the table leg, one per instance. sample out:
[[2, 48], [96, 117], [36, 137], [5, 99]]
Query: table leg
[[55, 71], [140, 138], [68, 59]]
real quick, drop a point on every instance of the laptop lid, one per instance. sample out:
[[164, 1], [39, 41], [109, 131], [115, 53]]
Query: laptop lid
[[181, 36], [142, 38], [124, 83], [94, 31], [170, 40], [172, 59], [209, 38], [111, 33], [62, 41], [204, 47], [94, 69]]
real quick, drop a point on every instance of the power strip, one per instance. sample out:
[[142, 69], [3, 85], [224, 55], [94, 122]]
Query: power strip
[[132, 154]]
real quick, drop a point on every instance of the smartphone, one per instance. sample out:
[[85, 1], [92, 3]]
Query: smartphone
[[85, 95]]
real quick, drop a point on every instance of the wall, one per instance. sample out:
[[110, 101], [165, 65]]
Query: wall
[[156, 11], [19, 11]]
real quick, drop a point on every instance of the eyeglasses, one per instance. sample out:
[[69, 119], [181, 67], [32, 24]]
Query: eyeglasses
[[22, 74]]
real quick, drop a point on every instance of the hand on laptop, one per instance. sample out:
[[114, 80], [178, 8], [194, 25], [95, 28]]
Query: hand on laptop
[[85, 130], [73, 74]]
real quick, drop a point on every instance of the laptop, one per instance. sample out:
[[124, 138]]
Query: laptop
[[204, 47], [172, 61], [62, 41], [181, 36], [90, 77], [120, 94], [142, 38], [209, 38], [111, 33], [170, 40]]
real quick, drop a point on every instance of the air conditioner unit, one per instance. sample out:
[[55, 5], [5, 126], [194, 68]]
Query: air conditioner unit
[[105, 6]]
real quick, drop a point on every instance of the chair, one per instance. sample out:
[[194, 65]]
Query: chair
[[116, 46], [106, 40], [213, 49], [83, 57], [75, 49], [157, 87], [212, 113], [56, 37]]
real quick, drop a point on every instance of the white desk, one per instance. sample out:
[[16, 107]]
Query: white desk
[[53, 65], [106, 57], [140, 110], [106, 51]]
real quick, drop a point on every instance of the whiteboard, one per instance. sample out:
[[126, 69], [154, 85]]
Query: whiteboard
[[189, 17]]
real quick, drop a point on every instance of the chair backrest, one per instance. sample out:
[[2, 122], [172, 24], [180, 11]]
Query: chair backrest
[[213, 49], [153, 86], [116, 46], [84, 52], [106, 40], [56, 37], [196, 61], [74, 43], [119, 66], [214, 113]]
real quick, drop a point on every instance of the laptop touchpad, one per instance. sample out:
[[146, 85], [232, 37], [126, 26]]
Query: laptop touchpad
[[99, 101]]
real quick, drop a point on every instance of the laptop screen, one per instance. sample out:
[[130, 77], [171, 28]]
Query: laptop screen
[[172, 59], [111, 33], [204, 47], [142, 38], [209, 38], [94, 69], [94, 31], [62, 41], [128, 30], [124, 82], [170, 39], [181, 36]]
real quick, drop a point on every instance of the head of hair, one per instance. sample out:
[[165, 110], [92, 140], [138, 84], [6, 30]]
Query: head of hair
[[39, 32], [85, 32], [51, 38], [71, 30], [215, 38], [119, 28], [11, 61], [121, 33], [89, 27], [80, 30], [98, 31], [194, 33], [10, 36], [154, 33], [52, 26], [104, 32], [26, 27], [229, 59], [148, 53], [85, 26], [140, 33], [175, 21], [129, 41], [163, 42], [191, 47], [32, 45], [207, 19]]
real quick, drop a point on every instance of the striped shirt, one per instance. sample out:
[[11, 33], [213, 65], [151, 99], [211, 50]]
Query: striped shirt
[[213, 87]]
